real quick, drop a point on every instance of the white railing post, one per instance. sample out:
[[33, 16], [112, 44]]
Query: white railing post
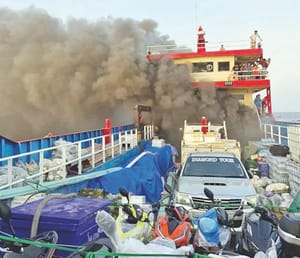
[[93, 153], [79, 165], [126, 140], [120, 142], [135, 140], [103, 149], [41, 167], [112, 143], [10, 172], [279, 134], [271, 132], [64, 158]]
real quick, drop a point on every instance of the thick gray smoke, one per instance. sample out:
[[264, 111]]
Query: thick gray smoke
[[64, 77]]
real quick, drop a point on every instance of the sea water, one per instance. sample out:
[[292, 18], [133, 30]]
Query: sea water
[[293, 117]]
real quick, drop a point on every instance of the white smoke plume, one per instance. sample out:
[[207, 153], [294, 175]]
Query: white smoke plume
[[65, 77]]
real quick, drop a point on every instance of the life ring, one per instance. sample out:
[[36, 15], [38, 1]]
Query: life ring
[[209, 67]]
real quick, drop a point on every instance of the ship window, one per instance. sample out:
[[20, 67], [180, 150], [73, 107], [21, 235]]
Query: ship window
[[203, 67], [182, 67], [223, 66], [239, 96]]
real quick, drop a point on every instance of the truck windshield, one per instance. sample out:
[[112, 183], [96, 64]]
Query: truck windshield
[[214, 167]]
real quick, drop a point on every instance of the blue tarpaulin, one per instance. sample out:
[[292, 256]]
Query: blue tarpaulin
[[143, 177]]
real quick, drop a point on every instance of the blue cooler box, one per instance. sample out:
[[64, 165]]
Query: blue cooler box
[[72, 218]]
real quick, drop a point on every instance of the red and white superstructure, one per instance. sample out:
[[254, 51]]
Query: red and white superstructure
[[241, 71]]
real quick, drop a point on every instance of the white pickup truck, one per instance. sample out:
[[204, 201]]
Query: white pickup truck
[[222, 173], [213, 165]]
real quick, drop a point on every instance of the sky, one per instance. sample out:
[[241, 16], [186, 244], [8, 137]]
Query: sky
[[224, 22]]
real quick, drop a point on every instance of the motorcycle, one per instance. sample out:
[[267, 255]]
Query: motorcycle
[[15, 247], [289, 232], [214, 229], [135, 246], [262, 231], [259, 232], [175, 224], [133, 220]]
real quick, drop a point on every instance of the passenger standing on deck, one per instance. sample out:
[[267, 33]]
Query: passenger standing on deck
[[253, 38], [258, 103], [174, 153]]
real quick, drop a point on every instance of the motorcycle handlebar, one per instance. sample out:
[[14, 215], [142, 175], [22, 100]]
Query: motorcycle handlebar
[[14, 247], [266, 215]]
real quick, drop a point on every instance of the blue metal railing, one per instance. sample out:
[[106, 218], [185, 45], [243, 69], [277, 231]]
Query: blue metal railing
[[10, 147]]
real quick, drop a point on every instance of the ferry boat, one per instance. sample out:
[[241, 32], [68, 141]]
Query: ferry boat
[[68, 163]]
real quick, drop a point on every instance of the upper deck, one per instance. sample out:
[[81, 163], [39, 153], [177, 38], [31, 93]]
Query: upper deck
[[242, 71]]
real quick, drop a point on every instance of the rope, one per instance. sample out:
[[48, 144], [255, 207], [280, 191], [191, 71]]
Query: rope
[[36, 217], [92, 254], [36, 243]]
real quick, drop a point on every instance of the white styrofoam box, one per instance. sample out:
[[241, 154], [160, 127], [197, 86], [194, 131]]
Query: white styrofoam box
[[135, 199], [267, 141], [158, 142], [282, 177]]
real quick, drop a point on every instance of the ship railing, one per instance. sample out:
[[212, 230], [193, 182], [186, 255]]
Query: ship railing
[[15, 172], [209, 46], [283, 169], [284, 134], [245, 75], [148, 132], [278, 133]]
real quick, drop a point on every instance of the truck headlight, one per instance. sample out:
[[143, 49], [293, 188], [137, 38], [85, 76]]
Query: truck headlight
[[183, 198], [251, 199]]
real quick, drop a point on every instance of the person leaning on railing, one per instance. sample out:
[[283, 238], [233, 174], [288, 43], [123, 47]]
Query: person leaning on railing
[[258, 103]]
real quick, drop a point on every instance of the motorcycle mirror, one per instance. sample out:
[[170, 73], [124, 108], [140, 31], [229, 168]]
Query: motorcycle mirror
[[209, 193], [168, 188], [238, 213], [5, 212], [124, 193]]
